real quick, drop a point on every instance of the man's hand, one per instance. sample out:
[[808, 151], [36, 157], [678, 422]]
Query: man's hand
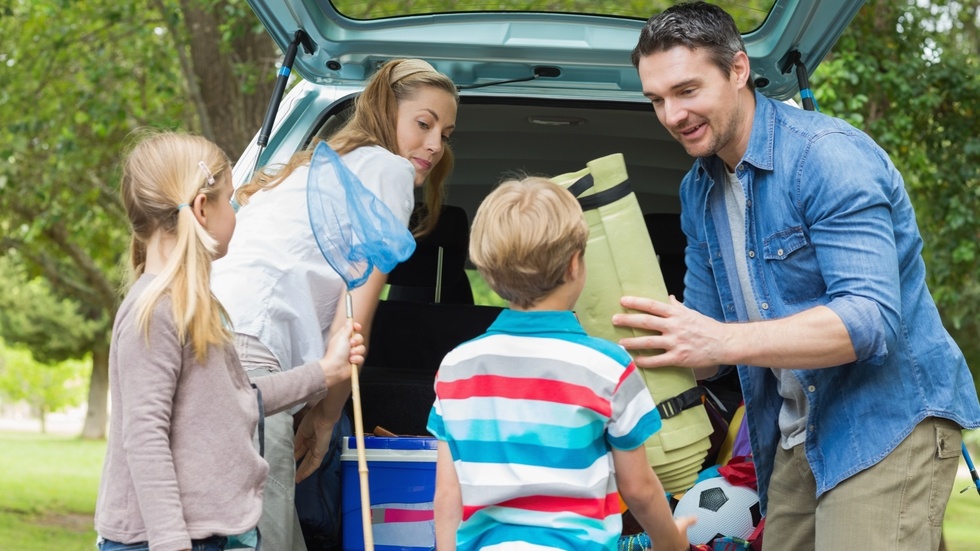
[[687, 338]]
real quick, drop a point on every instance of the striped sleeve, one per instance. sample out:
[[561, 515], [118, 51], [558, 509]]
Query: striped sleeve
[[435, 425], [635, 417]]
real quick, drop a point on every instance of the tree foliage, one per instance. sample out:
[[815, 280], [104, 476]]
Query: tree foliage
[[75, 83], [46, 388], [76, 78], [907, 73], [748, 14], [33, 316]]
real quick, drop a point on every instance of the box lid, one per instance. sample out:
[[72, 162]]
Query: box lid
[[393, 443]]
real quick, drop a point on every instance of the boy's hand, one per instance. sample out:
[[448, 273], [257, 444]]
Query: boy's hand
[[683, 523]]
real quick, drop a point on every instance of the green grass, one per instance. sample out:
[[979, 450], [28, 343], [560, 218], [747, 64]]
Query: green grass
[[961, 527], [48, 486]]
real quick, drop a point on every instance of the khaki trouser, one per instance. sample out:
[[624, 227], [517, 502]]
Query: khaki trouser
[[279, 524], [899, 503]]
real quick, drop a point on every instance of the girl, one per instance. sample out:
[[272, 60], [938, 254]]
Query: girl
[[181, 470], [281, 294]]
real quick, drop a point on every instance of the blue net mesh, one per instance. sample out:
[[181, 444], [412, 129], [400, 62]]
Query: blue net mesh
[[356, 231]]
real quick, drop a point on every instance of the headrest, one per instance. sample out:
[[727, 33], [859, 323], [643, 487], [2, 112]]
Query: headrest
[[452, 233]]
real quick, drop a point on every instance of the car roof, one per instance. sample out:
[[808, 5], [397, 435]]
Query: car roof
[[563, 54]]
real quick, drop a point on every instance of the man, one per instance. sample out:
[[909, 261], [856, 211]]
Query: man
[[804, 270]]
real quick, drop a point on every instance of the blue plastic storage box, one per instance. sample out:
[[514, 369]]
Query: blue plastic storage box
[[401, 483]]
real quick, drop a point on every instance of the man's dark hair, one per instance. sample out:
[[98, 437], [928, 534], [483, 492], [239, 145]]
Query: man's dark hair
[[692, 25]]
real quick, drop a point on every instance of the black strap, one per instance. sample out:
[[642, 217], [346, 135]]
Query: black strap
[[601, 198], [670, 407], [258, 397], [583, 184], [258, 394]]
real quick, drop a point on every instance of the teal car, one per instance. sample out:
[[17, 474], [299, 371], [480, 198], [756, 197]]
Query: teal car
[[545, 86]]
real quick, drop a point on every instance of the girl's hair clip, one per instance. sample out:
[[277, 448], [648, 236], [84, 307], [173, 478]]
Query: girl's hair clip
[[207, 173]]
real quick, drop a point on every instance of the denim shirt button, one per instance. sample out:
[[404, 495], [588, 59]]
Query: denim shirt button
[[751, 254], [748, 203], [765, 305], [779, 252], [811, 428], [811, 388]]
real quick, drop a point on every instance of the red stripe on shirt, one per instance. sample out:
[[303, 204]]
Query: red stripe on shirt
[[587, 507], [626, 373], [544, 390]]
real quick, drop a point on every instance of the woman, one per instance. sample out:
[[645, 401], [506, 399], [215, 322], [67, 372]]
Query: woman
[[282, 296]]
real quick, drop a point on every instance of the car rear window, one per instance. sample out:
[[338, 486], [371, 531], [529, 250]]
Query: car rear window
[[748, 14]]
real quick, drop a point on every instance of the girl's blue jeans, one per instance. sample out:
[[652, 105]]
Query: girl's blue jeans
[[214, 543]]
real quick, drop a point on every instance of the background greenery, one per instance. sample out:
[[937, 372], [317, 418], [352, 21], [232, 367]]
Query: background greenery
[[76, 78], [49, 488], [50, 485]]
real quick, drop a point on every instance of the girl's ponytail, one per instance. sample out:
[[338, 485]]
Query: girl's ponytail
[[163, 175]]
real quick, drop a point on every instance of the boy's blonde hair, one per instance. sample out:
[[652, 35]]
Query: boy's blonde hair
[[162, 172], [374, 122], [524, 236]]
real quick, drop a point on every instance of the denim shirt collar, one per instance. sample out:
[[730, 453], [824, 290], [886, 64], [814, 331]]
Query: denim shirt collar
[[760, 152]]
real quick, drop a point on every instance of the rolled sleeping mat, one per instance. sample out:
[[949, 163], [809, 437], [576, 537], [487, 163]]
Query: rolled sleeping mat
[[620, 260]]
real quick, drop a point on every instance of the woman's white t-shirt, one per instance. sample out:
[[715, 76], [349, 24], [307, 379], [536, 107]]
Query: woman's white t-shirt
[[274, 281]]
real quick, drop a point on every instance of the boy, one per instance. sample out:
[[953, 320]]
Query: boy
[[538, 423]]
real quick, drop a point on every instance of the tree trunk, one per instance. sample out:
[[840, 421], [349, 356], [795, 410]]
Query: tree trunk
[[97, 417], [43, 415], [230, 82]]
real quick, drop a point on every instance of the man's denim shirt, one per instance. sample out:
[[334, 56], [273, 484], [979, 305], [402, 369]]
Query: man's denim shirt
[[828, 222]]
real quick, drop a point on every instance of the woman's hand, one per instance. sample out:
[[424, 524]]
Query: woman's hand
[[312, 440], [345, 352]]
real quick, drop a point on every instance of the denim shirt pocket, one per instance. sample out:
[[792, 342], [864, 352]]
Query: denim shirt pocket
[[793, 264]]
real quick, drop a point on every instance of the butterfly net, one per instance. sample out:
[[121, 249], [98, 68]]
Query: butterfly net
[[354, 229]]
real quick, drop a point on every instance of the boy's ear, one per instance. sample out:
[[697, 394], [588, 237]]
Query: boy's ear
[[576, 266]]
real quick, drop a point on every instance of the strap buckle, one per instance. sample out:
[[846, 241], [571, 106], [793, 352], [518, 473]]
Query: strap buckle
[[671, 407]]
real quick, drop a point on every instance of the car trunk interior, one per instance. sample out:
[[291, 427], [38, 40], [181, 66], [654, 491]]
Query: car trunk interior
[[499, 137]]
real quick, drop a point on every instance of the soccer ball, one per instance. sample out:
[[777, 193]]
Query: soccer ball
[[721, 508]]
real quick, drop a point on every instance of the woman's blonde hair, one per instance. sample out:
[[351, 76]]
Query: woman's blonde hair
[[374, 122], [524, 237], [162, 174]]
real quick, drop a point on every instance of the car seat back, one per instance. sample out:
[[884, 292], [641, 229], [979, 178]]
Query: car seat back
[[436, 271], [669, 243]]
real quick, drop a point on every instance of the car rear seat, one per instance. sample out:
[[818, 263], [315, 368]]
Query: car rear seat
[[444, 251], [410, 340], [412, 332], [669, 242], [418, 324]]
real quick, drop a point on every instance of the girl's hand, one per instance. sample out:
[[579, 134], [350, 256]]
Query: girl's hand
[[345, 349], [344, 352]]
